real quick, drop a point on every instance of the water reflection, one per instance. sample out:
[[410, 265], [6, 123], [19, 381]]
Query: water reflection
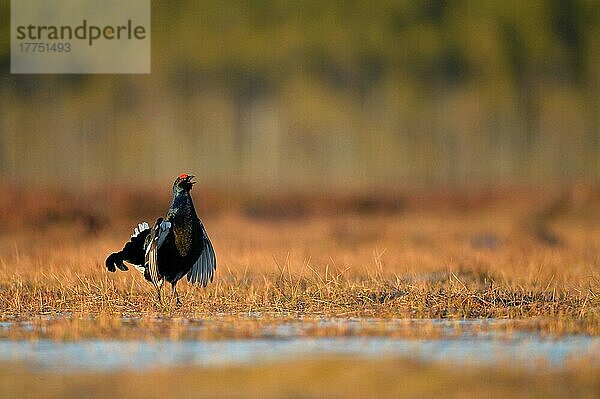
[[285, 341]]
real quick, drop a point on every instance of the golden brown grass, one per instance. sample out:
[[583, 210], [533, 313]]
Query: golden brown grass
[[525, 257], [331, 378], [513, 255]]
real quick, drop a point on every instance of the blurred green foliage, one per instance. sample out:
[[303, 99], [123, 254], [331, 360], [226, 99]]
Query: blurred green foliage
[[325, 93]]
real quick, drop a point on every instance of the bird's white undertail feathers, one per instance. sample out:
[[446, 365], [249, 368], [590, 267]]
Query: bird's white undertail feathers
[[140, 227], [204, 268]]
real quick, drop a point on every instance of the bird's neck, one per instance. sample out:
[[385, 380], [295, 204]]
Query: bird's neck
[[182, 208]]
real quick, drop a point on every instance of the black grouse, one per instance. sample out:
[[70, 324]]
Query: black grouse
[[175, 247]]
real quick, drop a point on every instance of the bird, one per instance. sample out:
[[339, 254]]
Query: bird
[[176, 245]]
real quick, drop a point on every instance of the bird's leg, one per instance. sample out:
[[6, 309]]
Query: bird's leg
[[175, 294]]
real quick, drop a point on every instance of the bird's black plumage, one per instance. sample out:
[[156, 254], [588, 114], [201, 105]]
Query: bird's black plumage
[[175, 246]]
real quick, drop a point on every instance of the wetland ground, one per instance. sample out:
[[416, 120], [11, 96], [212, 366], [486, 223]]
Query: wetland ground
[[372, 296]]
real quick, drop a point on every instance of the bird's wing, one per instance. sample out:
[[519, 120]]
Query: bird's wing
[[132, 252], [204, 268], [157, 238]]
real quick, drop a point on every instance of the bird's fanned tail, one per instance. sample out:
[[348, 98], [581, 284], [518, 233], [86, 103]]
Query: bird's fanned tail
[[133, 251]]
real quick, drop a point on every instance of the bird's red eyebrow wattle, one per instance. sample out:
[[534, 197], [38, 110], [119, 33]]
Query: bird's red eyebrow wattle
[[183, 176]]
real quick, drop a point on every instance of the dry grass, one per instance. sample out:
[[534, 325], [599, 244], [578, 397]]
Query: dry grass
[[515, 255], [331, 378], [527, 257]]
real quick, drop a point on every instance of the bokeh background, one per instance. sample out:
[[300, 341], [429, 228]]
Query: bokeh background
[[323, 95]]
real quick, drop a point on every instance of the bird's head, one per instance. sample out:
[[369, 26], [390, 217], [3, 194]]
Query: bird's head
[[184, 182]]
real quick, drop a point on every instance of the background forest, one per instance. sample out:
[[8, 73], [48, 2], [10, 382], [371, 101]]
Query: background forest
[[315, 94]]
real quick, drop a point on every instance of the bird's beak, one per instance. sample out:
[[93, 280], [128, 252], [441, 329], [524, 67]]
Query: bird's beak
[[191, 180]]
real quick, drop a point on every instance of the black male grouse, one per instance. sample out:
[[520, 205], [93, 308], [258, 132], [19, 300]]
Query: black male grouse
[[176, 246]]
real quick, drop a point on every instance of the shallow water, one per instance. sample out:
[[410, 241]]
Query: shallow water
[[474, 345]]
